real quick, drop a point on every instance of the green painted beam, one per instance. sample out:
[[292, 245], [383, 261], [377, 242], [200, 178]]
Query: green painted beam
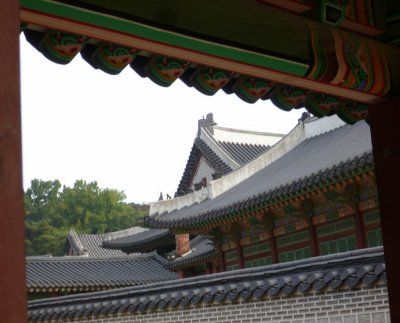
[[229, 51]]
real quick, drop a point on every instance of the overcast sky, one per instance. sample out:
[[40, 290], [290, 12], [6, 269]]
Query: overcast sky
[[122, 131]]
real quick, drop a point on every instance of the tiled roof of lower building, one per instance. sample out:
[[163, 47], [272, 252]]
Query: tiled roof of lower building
[[201, 250], [142, 241], [84, 244], [79, 274], [350, 269]]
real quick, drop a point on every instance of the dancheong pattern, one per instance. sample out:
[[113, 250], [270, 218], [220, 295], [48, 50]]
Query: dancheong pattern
[[251, 89], [113, 59], [209, 80], [288, 97], [61, 48], [164, 70], [350, 62]]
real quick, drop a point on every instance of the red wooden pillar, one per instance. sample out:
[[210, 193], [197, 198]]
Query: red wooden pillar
[[274, 249], [240, 254], [385, 120], [12, 254], [313, 238], [360, 231]]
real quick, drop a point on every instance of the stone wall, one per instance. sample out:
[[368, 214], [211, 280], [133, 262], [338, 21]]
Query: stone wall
[[359, 305]]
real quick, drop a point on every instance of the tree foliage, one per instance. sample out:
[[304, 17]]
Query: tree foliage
[[52, 209]]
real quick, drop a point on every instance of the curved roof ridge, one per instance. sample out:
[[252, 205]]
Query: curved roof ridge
[[123, 233], [75, 241], [256, 132], [215, 146], [130, 257]]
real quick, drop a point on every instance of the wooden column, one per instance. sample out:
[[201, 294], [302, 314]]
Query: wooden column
[[12, 256], [360, 231], [384, 119], [240, 254], [313, 238]]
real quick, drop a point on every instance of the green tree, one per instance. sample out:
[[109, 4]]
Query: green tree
[[51, 210]]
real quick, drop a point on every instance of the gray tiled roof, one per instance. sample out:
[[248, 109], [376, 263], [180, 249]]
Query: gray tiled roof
[[142, 241], [243, 153], [91, 273], [202, 249], [83, 244], [349, 269], [316, 161]]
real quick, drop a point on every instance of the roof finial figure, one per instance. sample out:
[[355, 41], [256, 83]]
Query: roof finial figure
[[160, 198]]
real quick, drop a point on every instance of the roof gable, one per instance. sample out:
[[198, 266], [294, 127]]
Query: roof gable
[[224, 149]]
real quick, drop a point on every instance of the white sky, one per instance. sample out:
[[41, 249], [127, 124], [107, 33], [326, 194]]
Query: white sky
[[122, 131]]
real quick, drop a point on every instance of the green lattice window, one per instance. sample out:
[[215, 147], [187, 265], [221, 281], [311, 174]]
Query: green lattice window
[[257, 249], [372, 217], [338, 245], [296, 254], [258, 262], [293, 238], [231, 255], [341, 226], [232, 267], [374, 238]]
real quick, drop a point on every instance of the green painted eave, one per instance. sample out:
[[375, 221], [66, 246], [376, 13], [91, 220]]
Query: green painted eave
[[246, 33]]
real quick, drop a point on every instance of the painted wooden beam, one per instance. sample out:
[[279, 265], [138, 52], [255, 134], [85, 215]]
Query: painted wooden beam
[[205, 52], [12, 254]]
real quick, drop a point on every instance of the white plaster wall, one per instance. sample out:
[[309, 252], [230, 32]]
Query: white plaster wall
[[178, 202], [203, 170]]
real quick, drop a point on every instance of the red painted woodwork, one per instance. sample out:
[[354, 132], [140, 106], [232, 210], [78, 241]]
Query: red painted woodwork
[[360, 232], [384, 120], [12, 254], [313, 238], [274, 250]]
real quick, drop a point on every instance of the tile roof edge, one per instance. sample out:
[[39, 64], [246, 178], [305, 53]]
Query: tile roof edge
[[129, 257], [372, 255]]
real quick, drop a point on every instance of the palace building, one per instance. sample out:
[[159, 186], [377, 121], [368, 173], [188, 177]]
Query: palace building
[[294, 224]]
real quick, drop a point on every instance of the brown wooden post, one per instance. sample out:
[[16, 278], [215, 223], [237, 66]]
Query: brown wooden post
[[274, 250], [313, 238], [384, 119], [360, 230], [240, 254], [12, 257]]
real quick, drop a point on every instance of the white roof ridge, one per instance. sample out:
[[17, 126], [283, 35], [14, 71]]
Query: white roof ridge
[[123, 233], [254, 132]]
